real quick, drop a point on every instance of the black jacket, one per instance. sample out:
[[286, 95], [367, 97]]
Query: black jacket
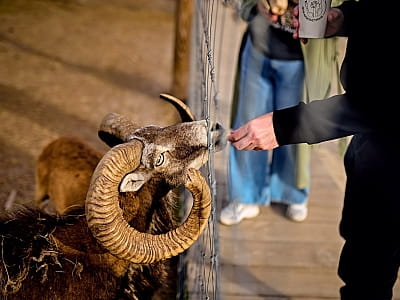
[[369, 77]]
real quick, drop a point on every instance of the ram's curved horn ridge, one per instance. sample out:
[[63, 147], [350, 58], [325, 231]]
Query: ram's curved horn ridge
[[116, 235], [115, 129], [184, 110]]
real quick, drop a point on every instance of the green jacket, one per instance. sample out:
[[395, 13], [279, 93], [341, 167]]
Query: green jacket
[[322, 59]]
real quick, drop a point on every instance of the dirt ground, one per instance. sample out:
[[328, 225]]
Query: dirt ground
[[65, 64]]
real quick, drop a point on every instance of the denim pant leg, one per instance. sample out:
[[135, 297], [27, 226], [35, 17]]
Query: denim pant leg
[[283, 177], [288, 78], [247, 171]]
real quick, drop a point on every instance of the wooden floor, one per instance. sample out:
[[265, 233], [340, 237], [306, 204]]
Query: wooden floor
[[271, 257]]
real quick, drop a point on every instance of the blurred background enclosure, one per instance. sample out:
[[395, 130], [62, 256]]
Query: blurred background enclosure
[[65, 64]]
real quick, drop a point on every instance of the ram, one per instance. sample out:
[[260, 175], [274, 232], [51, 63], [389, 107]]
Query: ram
[[122, 240]]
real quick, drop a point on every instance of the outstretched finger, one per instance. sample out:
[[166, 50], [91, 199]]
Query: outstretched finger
[[237, 134], [296, 11]]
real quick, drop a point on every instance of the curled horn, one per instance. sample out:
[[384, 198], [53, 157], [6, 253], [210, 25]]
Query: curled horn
[[183, 109], [105, 217], [115, 129]]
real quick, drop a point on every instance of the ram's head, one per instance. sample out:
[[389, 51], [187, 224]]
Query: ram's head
[[147, 158]]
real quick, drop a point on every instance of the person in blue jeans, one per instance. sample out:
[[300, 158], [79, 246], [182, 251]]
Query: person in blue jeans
[[271, 77]]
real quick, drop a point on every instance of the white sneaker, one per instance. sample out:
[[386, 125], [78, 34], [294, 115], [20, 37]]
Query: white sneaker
[[235, 212], [297, 212]]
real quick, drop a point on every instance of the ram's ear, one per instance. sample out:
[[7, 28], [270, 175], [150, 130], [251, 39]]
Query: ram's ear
[[132, 182]]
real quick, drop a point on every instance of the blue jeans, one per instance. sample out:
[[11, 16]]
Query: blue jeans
[[260, 177]]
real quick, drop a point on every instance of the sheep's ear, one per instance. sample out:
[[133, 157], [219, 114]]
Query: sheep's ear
[[132, 182]]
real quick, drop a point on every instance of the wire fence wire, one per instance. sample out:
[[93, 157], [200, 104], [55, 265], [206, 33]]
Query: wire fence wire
[[199, 266]]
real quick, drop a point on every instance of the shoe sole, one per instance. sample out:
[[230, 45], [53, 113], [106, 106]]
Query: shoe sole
[[249, 216], [297, 219]]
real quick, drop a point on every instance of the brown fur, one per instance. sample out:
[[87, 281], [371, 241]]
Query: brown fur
[[63, 172], [50, 251], [54, 256], [35, 265]]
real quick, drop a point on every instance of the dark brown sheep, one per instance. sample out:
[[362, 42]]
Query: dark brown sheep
[[123, 243]]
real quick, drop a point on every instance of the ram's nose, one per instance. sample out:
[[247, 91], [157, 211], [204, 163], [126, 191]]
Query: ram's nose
[[219, 137]]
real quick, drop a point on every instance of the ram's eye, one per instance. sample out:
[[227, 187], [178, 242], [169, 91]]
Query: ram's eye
[[160, 160]]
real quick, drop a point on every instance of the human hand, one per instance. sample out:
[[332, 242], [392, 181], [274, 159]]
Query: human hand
[[277, 7], [257, 134], [296, 24], [335, 22], [334, 25], [264, 9]]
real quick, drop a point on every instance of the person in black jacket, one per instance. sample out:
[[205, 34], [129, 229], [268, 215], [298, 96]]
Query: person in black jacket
[[370, 223]]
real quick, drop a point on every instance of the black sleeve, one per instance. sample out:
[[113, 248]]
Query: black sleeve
[[321, 120], [349, 8], [367, 105]]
